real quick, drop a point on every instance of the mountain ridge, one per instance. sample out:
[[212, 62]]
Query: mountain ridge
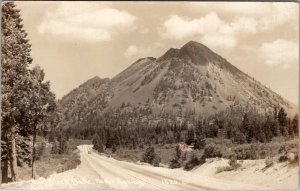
[[192, 78]]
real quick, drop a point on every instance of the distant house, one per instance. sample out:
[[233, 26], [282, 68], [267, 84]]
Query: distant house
[[185, 148]]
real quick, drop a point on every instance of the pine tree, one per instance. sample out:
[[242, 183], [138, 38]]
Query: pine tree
[[239, 137], [290, 128], [282, 117], [15, 58], [62, 144], [246, 128], [190, 136], [267, 129], [261, 136], [26, 99], [294, 124], [276, 129], [42, 104], [96, 142]]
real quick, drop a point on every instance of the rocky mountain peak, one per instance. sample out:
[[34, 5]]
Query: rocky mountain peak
[[175, 83], [171, 53], [193, 44], [197, 53]]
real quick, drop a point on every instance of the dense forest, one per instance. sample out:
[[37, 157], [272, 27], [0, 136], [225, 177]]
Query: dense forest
[[117, 130]]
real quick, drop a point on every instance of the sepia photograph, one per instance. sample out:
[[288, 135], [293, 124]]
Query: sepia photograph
[[149, 95]]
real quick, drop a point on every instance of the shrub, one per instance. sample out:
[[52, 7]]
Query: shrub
[[269, 162], [183, 102], [40, 148], [141, 145], [293, 157], [192, 162], [212, 151], [233, 162], [283, 150], [156, 161], [227, 153], [174, 164], [282, 158], [151, 157], [233, 165], [245, 152], [199, 143], [114, 149], [283, 153], [223, 168], [296, 159]]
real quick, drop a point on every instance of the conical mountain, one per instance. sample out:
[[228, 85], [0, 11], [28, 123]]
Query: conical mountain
[[192, 78]]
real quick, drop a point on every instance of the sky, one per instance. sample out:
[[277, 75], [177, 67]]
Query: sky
[[75, 41]]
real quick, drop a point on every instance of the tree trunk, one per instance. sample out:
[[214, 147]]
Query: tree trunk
[[13, 155], [4, 169], [33, 153], [4, 157]]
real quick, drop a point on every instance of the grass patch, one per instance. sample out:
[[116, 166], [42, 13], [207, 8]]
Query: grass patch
[[53, 163]]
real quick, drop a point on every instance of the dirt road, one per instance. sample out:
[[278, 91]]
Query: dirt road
[[100, 172]]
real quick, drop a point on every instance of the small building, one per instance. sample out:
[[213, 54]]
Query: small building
[[185, 147]]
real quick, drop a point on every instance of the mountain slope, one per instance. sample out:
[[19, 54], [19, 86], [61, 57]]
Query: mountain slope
[[192, 78], [88, 98]]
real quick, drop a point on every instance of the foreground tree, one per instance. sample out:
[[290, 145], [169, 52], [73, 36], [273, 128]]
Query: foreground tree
[[42, 105], [23, 100], [14, 85]]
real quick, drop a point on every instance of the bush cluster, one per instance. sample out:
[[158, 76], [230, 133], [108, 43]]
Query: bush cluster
[[151, 157], [211, 151], [192, 162]]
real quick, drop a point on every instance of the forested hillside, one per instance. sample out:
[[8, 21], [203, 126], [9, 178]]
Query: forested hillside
[[186, 95]]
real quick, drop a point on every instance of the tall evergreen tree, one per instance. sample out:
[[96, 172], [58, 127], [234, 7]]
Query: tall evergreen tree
[[246, 127], [26, 99], [268, 130], [282, 117], [294, 124], [42, 104], [190, 136], [14, 86]]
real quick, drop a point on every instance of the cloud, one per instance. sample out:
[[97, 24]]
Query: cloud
[[134, 51], [239, 19], [179, 27], [251, 9], [239, 26], [210, 29], [268, 14], [241, 8], [131, 51], [88, 21], [280, 14], [225, 41], [281, 52]]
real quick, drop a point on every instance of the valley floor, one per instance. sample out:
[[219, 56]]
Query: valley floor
[[100, 172]]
